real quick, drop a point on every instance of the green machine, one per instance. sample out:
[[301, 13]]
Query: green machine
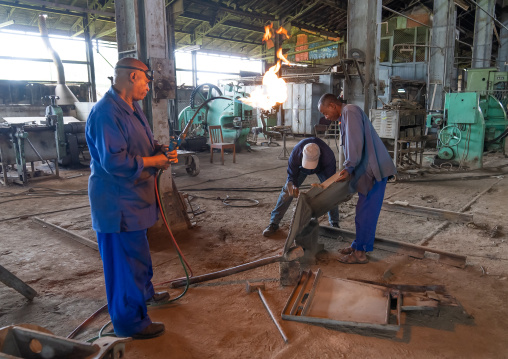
[[474, 121], [234, 117]]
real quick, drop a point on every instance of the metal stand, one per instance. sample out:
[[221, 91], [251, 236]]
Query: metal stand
[[284, 154]]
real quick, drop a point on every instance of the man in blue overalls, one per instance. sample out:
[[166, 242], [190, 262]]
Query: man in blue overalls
[[124, 160], [367, 165], [309, 156]]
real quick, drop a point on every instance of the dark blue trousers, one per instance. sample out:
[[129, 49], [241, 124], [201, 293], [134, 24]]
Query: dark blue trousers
[[128, 273], [367, 214]]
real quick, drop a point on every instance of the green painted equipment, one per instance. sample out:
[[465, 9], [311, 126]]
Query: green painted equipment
[[474, 121], [234, 117]]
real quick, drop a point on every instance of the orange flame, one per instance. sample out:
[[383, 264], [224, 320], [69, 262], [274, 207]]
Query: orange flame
[[274, 89], [268, 33], [282, 31], [280, 56]]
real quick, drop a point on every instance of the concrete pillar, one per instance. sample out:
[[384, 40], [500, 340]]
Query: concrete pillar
[[442, 47], [483, 29], [502, 53], [363, 39]]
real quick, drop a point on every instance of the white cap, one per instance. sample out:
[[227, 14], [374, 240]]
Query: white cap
[[310, 156]]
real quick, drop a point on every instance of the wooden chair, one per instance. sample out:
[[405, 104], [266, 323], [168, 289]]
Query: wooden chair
[[216, 141]]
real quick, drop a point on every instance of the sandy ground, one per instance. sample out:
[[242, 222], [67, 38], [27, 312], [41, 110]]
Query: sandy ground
[[219, 319]]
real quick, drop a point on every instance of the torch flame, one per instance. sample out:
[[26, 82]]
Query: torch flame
[[268, 33], [280, 56], [282, 31], [274, 89]]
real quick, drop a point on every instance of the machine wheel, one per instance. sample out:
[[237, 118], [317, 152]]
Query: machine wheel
[[450, 136], [202, 93], [192, 165]]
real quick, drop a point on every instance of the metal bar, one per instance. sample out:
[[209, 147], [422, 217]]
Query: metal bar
[[464, 208], [294, 308], [263, 299], [311, 293], [428, 212], [17, 284], [391, 245], [38, 155], [71, 8], [52, 11], [87, 242], [492, 17], [40, 60], [7, 23], [41, 213], [227, 272]]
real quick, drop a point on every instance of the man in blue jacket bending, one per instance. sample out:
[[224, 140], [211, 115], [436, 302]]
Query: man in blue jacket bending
[[309, 156], [124, 160], [367, 165]]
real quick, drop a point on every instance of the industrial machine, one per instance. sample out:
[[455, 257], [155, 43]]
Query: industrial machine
[[473, 121], [56, 138], [234, 117]]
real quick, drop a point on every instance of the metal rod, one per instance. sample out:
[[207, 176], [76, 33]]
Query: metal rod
[[40, 60], [87, 242], [226, 272], [407, 17], [38, 155], [492, 17], [263, 299]]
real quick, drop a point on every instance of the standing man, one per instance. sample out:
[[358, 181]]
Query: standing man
[[124, 159], [367, 165], [309, 156]]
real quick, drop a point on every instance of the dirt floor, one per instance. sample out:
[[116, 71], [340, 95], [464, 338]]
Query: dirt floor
[[219, 319]]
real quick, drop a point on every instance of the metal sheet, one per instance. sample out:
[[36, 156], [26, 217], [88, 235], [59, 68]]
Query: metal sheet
[[341, 302]]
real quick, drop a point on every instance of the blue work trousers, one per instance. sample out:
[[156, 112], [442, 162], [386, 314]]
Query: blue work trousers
[[128, 273], [285, 200], [367, 214]]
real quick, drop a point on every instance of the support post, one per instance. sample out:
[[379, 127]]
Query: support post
[[483, 28], [90, 60], [363, 39], [442, 47], [502, 55], [194, 69]]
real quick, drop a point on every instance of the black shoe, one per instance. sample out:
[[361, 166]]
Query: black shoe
[[335, 225], [270, 230], [158, 298], [154, 330]]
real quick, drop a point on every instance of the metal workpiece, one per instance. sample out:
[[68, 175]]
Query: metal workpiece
[[318, 299], [35, 342]]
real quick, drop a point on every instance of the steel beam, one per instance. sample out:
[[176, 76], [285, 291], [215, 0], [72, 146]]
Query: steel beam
[[90, 60], [483, 29], [218, 6]]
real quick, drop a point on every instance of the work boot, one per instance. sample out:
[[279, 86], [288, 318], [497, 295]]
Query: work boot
[[152, 331], [158, 298], [335, 225], [270, 230]]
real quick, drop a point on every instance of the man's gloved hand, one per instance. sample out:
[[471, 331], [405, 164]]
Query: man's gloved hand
[[292, 190], [343, 176]]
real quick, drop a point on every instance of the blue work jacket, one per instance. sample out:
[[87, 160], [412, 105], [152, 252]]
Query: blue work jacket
[[117, 139], [326, 163], [366, 158]]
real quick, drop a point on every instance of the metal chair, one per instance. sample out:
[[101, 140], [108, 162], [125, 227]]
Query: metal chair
[[216, 141]]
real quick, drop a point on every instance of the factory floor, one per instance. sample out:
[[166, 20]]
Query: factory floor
[[219, 319]]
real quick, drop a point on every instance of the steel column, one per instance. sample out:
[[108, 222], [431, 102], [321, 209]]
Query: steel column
[[90, 60], [363, 35], [194, 69], [502, 55], [442, 47], [483, 28]]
